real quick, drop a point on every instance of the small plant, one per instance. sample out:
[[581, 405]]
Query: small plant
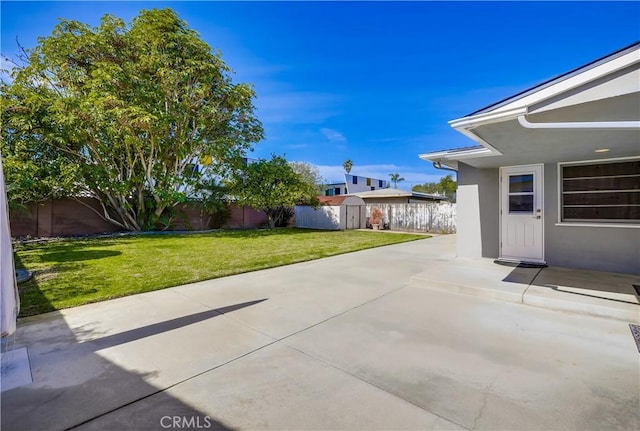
[[375, 218]]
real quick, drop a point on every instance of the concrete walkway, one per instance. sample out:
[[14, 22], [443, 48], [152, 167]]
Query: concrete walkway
[[349, 342]]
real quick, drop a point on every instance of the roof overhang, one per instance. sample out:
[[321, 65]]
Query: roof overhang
[[450, 158], [493, 128], [566, 82]]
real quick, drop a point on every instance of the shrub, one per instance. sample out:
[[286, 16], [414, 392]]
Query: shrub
[[376, 216]]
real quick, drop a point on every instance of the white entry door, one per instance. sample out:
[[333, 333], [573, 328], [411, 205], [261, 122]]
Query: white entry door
[[521, 213]]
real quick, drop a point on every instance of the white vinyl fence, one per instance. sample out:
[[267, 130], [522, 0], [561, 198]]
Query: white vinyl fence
[[419, 217], [325, 217]]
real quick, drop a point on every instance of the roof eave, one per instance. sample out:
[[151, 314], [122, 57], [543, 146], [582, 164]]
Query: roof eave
[[567, 81], [450, 158], [515, 106]]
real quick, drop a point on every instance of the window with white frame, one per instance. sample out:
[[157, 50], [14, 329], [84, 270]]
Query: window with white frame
[[600, 192]]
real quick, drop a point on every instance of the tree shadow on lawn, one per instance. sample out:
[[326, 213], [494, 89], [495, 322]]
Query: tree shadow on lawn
[[72, 254], [36, 299], [32, 299], [233, 233], [59, 248]]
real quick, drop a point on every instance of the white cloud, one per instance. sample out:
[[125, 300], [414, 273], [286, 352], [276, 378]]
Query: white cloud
[[296, 107], [296, 146], [333, 136], [412, 176]]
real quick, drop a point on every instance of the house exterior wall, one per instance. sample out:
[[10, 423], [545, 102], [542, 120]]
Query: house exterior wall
[[478, 221], [612, 249], [335, 189], [361, 184]]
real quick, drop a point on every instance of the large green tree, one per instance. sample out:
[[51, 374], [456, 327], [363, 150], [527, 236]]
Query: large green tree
[[311, 174], [145, 111], [32, 176], [274, 187], [446, 186]]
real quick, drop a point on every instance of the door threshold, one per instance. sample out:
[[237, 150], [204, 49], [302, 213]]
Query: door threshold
[[516, 263]]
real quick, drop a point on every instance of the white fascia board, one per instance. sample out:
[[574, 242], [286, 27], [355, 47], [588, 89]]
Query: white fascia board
[[466, 123], [450, 158], [439, 157], [434, 157]]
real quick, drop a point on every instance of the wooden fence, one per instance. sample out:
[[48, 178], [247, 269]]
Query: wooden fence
[[419, 217], [68, 217]]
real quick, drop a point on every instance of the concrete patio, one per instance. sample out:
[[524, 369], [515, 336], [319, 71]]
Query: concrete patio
[[597, 293], [389, 338]]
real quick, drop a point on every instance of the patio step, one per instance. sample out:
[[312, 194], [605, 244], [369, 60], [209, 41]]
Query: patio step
[[595, 293], [478, 277]]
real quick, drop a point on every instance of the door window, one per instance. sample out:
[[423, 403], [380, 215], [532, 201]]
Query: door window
[[521, 194]]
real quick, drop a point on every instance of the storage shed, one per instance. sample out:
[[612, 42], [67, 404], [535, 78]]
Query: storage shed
[[334, 213], [395, 196]]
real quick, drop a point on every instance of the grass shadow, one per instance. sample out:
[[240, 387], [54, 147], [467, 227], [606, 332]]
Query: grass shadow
[[72, 255], [32, 298], [237, 233]]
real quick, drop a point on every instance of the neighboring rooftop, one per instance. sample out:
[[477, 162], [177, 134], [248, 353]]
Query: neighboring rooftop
[[397, 193], [336, 201]]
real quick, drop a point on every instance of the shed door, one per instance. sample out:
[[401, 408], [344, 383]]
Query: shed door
[[353, 216], [521, 214]]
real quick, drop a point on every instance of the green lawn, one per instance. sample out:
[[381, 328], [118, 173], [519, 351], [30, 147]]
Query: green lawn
[[79, 271]]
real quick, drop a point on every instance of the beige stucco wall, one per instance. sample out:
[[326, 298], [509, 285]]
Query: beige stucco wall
[[478, 212], [612, 249]]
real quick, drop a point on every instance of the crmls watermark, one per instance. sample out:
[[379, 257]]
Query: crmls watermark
[[185, 422]]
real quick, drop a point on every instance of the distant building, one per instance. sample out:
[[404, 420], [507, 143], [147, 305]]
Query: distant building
[[355, 184], [335, 189]]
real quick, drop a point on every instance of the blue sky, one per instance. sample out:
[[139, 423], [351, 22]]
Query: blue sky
[[374, 82]]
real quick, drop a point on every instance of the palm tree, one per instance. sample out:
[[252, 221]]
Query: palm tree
[[347, 165], [395, 179]]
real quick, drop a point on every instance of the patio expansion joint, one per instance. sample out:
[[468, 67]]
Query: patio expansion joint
[[355, 307], [376, 386], [201, 373]]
